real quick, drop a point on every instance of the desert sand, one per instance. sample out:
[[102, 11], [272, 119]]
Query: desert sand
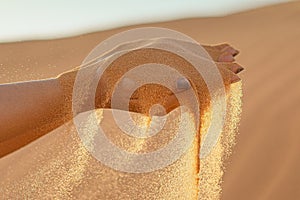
[[69, 165], [265, 161]]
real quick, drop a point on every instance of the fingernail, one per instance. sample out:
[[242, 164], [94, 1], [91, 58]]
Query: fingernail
[[226, 57], [236, 52], [231, 50], [240, 69], [237, 68]]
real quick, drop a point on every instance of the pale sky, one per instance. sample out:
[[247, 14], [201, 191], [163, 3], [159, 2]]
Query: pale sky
[[40, 19]]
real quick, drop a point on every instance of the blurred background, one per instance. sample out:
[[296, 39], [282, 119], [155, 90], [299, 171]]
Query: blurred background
[[56, 36], [34, 19]]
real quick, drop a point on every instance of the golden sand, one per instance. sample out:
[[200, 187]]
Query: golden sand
[[265, 162], [64, 169]]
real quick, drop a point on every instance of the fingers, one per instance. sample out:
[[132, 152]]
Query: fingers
[[234, 67], [229, 72], [226, 57], [222, 52], [231, 50]]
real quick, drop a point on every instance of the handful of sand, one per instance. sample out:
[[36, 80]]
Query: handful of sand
[[67, 168]]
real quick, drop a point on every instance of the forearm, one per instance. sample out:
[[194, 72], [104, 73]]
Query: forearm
[[26, 105], [29, 110]]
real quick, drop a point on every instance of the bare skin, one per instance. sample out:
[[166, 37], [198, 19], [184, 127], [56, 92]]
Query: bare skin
[[222, 52], [28, 106]]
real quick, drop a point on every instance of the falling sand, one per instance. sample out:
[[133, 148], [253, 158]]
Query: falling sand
[[265, 161], [58, 165]]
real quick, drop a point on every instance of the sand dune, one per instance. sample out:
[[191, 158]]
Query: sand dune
[[266, 160]]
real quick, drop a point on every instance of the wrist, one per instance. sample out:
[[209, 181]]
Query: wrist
[[66, 82]]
